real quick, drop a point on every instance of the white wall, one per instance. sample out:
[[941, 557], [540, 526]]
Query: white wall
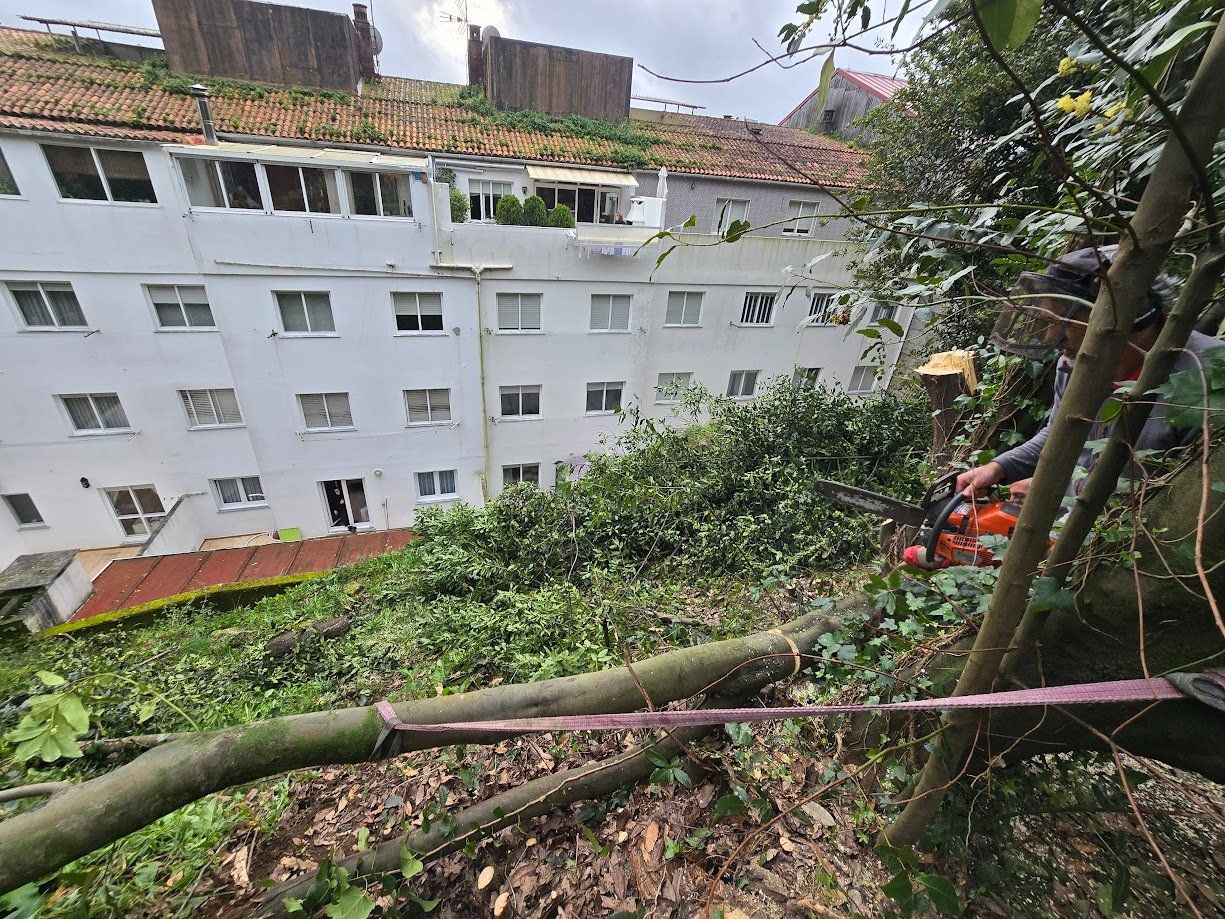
[[108, 251]]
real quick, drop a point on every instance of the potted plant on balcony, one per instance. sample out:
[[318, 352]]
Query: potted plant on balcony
[[534, 212], [509, 212], [561, 216]]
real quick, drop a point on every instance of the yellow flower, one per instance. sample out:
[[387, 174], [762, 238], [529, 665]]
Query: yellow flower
[[1067, 67], [1066, 105], [1083, 103], [1113, 110]]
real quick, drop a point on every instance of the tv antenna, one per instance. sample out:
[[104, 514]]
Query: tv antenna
[[460, 17]]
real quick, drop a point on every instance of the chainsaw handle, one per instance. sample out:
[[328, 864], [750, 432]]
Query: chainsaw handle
[[940, 521]]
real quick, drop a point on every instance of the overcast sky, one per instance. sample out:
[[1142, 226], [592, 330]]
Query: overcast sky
[[680, 38]]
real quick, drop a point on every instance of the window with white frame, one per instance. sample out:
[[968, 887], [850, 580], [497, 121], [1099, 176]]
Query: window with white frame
[[346, 503], [8, 185], [136, 507], [92, 413], [863, 378], [325, 410], [181, 306], [427, 406], [604, 398], [24, 510], [437, 485], [309, 189], [231, 184], [210, 408], [610, 312], [806, 377], [823, 309], [801, 216], [417, 312], [670, 386], [588, 203], [380, 194], [523, 472], [684, 308], [518, 312], [728, 211], [47, 305], [483, 197], [519, 401], [305, 312], [758, 308], [882, 311], [742, 384], [239, 492], [96, 174]]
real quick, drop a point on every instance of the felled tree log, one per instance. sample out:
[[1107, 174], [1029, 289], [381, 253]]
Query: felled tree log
[[282, 644], [99, 811], [946, 376]]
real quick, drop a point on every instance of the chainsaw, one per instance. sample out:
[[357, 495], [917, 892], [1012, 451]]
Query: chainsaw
[[949, 523]]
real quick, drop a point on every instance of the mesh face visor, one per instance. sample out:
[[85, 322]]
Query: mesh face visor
[[1035, 316]]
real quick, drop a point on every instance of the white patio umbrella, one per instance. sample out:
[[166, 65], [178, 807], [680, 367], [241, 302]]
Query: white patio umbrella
[[661, 190]]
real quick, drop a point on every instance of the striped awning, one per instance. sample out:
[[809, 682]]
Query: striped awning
[[574, 176], [326, 155]]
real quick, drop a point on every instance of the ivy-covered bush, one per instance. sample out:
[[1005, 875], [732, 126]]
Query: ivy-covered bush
[[534, 211], [561, 216], [509, 212], [459, 205]]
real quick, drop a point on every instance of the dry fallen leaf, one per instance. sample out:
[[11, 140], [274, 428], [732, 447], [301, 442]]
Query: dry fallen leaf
[[239, 870], [485, 877], [649, 836], [820, 816], [499, 905]]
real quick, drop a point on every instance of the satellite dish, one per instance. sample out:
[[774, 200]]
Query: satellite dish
[[490, 32], [378, 38]]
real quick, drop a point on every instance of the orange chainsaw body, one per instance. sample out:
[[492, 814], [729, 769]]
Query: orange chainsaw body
[[958, 541]]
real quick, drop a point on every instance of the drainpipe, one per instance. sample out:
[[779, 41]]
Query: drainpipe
[[430, 184], [199, 92], [477, 271]]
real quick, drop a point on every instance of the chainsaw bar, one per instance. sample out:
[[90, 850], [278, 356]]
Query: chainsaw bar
[[871, 503]]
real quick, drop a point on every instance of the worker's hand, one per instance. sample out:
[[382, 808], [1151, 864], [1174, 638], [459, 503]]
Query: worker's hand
[[1018, 490], [977, 483]]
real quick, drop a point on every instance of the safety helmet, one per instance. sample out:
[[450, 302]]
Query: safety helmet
[[1035, 315]]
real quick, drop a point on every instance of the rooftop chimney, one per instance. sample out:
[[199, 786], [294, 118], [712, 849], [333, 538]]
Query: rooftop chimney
[[476, 56], [365, 41], [199, 92]]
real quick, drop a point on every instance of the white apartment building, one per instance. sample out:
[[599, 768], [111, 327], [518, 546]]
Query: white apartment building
[[215, 339]]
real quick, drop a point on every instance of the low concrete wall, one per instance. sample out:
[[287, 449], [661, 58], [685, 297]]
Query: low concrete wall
[[61, 598]]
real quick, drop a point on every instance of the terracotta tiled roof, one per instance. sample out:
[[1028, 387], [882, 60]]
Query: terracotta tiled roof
[[45, 86]]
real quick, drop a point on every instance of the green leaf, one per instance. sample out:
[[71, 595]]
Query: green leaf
[[1111, 409], [1049, 596], [50, 679], [827, 74], [941, 892], [998, 17], [893, 326], [691, 222], [1023, 21], [658, 760], [899, 889], [293, 906], [1160, 57], [410, 865], [729, 805], [901, 14], [353, 904], [72, 711], [427, 906], [682, 777]]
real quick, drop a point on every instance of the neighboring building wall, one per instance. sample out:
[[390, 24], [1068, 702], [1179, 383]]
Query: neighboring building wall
[[845, 102], [108, 252]]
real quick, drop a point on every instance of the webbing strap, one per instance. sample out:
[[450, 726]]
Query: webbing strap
[[1156, 690]]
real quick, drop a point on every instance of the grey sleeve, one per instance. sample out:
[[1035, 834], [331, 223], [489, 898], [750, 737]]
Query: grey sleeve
[[1021, 461]]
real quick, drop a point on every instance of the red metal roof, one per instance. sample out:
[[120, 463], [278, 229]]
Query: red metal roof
[[874, 84]]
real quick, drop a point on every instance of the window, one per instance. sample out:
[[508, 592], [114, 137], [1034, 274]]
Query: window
[[302, 188], [417, 312], [181, 306], [518, 312], [305, 312], [883, 311], [520, 401], [603, 398], [380, 194], [24, 510], [758, 309], [669, 387], [863, 378], [324, 410], [346, 503], [136, 507], [210, 408], [8, 185], [590, 203], [801, 215], [221, 183], [95, 412], [100, 175], [728, 210], [239, 492], [823, 309], [483, 197], [742, 384], [427, 406], [526, 472], [48, 306], [806, 377], [610, 312], [436, 486], [684, 307]]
